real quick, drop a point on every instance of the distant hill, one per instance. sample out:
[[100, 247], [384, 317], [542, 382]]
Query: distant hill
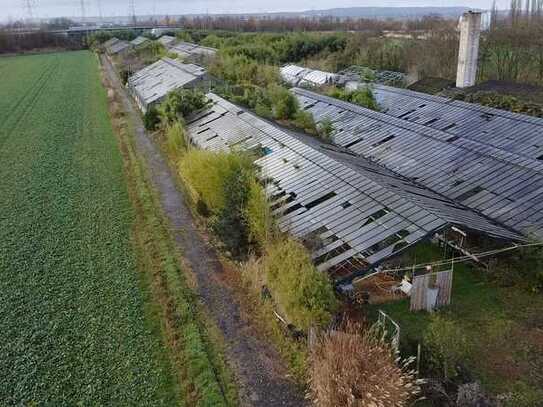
[[395, 13], [387, 12]]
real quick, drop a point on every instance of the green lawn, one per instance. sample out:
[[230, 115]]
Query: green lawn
[[503, 328], [74, 325]]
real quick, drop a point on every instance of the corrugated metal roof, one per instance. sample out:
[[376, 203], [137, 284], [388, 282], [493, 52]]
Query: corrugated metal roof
[[117, 47], [483, 158], [139, 40], [157, 80], [359, 212], [166, 40], [110, 42], [297, 75], [183, 48]]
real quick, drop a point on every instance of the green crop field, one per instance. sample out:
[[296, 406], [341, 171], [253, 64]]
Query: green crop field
[[74, 325]]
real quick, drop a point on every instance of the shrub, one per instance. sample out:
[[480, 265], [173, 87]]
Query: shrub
[[212, 41], [258, 215], [239, 69], [124, 74], [184, 36], [325, 128], [207, 172], [357, 367], [305, 294], [229, 193], [263, 110], [284, 104], [304, 120], [151, 119], [363, 97], [181, 102], [447, 345], [231, 225], [176, 141]]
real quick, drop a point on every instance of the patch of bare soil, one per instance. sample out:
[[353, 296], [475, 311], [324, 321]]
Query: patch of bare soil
[[262, 378]]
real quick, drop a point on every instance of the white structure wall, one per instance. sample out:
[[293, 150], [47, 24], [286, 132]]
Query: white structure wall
[[468, 53]]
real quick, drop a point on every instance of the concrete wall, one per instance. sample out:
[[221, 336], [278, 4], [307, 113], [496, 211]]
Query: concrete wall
[[468, 54]]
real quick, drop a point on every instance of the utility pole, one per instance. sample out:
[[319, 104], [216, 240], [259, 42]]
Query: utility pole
[[99, 5], [132, 11], [28, 7], [82, 5]]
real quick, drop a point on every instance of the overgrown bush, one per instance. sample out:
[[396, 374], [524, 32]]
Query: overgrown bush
[[151, 119], [284, 104], [447, 345], [304, 120], [181, 102], [325, 128], [362, 97], [240, 69], [355, 367], [176, 141], [229, 193], [124, 74], [304, 294], [231, 225], [207, 172], [258, 215]]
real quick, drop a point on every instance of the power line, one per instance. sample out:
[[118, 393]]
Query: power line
[[453, 260]]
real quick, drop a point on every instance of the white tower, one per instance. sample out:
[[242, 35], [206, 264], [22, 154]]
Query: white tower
[[468, 53]]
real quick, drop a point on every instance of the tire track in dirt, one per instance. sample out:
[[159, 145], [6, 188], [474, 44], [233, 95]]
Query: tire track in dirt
[[33, 94], [261, 376]]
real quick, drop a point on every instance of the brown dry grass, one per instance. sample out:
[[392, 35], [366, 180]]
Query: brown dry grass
[[355, 367]]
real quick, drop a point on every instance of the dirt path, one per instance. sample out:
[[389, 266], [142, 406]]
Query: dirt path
[[255, 363]]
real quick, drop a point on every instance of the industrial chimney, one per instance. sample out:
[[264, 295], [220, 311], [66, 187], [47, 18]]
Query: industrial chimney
[[470, 31]]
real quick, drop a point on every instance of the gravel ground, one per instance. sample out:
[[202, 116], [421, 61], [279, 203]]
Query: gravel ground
[[256, 364]]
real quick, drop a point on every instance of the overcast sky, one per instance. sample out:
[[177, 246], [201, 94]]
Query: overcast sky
[[53, 8]]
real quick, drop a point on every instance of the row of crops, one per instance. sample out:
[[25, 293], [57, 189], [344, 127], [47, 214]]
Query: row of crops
[[74, 324]]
